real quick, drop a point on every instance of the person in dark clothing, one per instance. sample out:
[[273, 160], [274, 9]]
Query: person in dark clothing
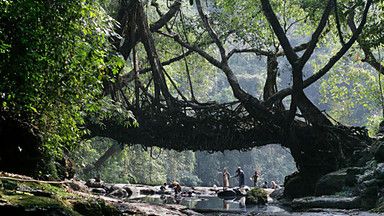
[[255, 177], [240, 175], [265, 185], [163, 187]]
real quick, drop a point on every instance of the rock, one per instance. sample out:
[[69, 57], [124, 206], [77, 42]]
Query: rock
[[256, 196], [352, 175], [361, 157], [77, 186], [128, 190], [240, 192], [229, 193], [98, 190], [379, 153], [9, 185], [41, 193], [326, 202], [298, 186], [379, 172], [113, 187], [94, 184], [119, 193], [368, 175], [147, 191], [369, 195], [331, 183], [277, 194]]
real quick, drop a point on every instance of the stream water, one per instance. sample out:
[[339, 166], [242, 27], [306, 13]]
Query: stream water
[[211, 205]]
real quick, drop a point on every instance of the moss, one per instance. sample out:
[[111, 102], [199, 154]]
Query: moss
[[9, 185], [56, 200], [27, 201], [95, 207], [256, 196]]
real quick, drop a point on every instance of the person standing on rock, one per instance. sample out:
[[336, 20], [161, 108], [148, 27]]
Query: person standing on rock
[[226, 177], [240, 175], [255, 177]]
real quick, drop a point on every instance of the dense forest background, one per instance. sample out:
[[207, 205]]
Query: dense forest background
[[59, 58]]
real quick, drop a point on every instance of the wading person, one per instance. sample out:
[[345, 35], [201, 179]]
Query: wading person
[[240, 175], [255, 177], [226, 177]]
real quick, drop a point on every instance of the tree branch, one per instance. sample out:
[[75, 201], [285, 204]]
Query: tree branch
[[274, 22], [285, 92], [316, 35], [211, 32]]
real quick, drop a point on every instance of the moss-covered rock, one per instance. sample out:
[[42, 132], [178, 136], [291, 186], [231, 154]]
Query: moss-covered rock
[[95, 207], [30, 197], [256, 196]]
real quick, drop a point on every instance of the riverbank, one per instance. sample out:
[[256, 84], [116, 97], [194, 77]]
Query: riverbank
[[22, 195]]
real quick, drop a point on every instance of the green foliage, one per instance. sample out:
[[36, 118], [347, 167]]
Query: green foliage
[[53, 60], [352, 92], [137, 165], [256, 196]]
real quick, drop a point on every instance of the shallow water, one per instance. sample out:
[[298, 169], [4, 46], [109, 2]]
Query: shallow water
[[212, 205], [236, 205]]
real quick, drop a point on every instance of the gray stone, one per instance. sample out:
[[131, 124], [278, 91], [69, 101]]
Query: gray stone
[[240, 192], [98, 191], [326, 202], [369, 196], [94, 184], [147, 191], [368, 175], [331, 183], [77, 186], [352, 176], [379, 172], [277, 194], [379, 153], [298, 186], [128, 189], [227, 193], [120, 193]]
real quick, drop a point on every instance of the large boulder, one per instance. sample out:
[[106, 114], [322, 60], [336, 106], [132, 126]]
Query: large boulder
[[379, 153], [98, 191], [277, 194], [92, 183], [147, 191], [379, 172], [352, 176], [331, 183], [119, 193], [229, 193], [326, 202], [369, 194], [297, 185]]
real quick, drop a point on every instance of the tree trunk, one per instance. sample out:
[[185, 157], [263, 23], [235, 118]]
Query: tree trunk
[[157, 69], [113, 150], [270, 86]]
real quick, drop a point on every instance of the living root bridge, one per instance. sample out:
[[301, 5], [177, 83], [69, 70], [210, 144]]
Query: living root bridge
[[217, 128]]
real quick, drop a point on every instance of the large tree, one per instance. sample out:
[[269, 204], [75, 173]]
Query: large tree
[[186, 123]]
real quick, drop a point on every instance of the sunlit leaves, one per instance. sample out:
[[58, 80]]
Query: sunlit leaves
[[54, 55]]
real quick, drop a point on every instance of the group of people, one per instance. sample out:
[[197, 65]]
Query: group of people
[[175, 186], [241, 179]]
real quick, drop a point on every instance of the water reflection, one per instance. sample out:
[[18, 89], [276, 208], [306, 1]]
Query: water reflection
[[242, 202], [198, 202]]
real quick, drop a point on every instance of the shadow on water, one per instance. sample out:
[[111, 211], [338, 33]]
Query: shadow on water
[[212, 204], [217, 206]]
